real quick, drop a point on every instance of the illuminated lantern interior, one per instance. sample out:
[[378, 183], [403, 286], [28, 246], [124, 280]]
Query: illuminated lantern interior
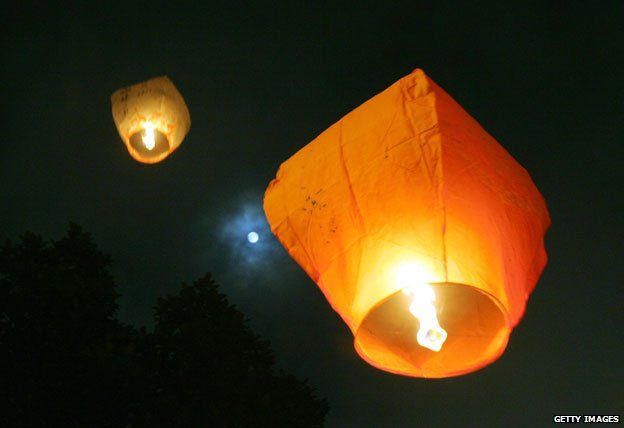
[[152, 119], [423, 233]]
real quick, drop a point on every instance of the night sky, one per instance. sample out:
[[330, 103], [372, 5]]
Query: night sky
[[546, 79]]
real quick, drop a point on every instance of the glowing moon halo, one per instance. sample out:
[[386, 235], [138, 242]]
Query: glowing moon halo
[[252, 237]]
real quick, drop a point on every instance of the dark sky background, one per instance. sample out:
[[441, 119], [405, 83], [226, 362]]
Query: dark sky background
[[261, 80]]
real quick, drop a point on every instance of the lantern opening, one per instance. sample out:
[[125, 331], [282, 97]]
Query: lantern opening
[[475, 333], [149, 143]]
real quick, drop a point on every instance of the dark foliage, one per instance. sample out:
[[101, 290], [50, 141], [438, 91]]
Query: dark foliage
[[66, 361]]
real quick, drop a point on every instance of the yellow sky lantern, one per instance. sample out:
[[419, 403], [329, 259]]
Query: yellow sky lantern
[[152, 118], [423, 233]]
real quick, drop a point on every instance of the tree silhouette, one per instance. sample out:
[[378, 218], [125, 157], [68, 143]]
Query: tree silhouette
[[66, 361]]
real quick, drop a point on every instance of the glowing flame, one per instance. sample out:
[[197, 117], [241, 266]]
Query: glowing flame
[[148, 136], [412, 279], [430, 334]]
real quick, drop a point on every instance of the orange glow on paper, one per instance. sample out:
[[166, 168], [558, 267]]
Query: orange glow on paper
[[423, 233]]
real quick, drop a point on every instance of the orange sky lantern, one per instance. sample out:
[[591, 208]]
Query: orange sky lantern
[[423, 233], [152, 118]]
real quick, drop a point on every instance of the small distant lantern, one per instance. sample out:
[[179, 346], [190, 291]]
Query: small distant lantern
[[152, 118], [423, 233]]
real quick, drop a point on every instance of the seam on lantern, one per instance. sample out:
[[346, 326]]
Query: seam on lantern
[[508, 196], [296, 235], [361, 224], [345, 250], [345, 170], [443, 200], [334, 260], [413, 135], [383, 138], [424, 143]]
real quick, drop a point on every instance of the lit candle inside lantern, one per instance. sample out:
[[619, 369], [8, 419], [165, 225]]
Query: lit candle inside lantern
[[148, 136], [413, 278], [430, 335]]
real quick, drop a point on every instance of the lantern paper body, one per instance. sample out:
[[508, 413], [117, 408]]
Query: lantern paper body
[[153, 106], [405, 189]]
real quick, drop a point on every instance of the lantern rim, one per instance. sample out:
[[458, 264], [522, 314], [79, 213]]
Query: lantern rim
[[141, 154], [478, 355]]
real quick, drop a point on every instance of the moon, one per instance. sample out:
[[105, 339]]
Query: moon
[[252, 237]]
